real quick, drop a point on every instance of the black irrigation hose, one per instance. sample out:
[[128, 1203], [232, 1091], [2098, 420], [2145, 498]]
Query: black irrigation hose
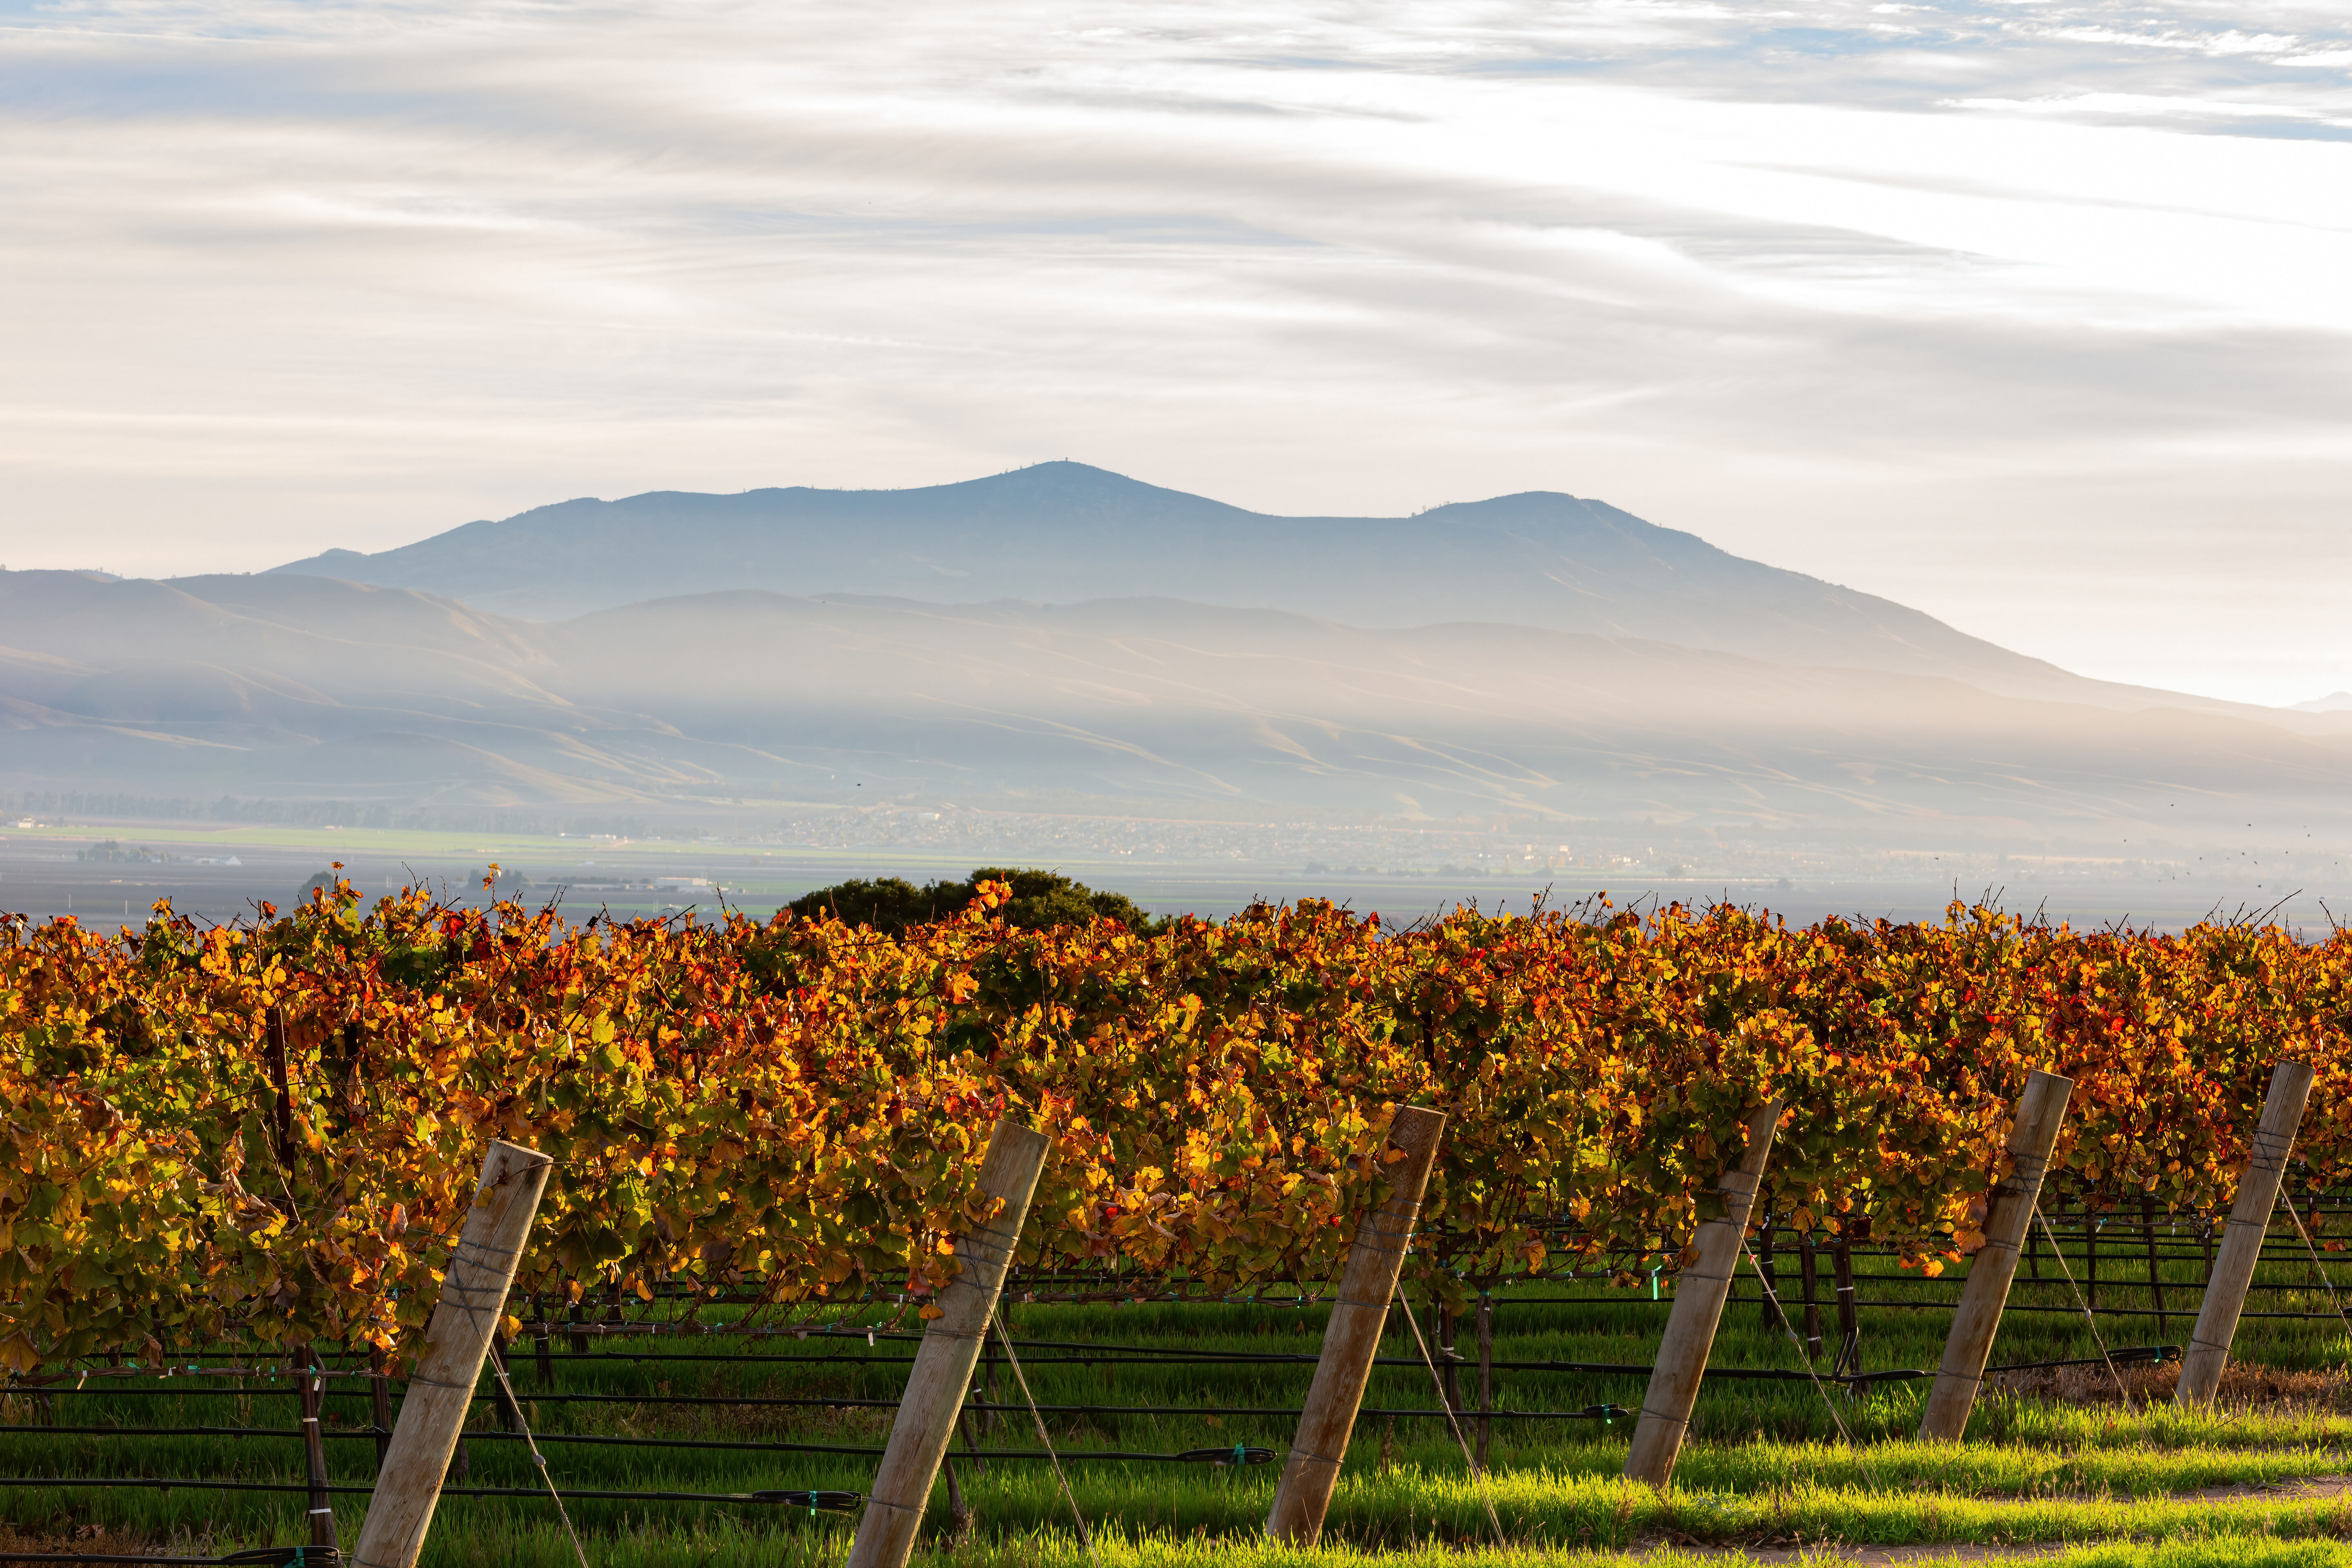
[[809, 1499], [1237, 1453], [260, 1557], [1589, 1413], [2156, 1354]]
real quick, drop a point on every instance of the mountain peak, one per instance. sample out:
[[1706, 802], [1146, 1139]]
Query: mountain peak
[[1064, 532]]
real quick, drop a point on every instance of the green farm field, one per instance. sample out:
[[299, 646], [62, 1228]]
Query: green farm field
[[2055, 1460]]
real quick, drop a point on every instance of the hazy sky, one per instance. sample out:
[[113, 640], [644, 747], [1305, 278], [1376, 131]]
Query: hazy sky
[[2032, 315]]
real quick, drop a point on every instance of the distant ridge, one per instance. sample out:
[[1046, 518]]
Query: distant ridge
[[295, 686], [1063, 533]]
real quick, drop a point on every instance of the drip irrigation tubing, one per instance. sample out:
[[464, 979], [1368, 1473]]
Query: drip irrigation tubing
[[73, 1380], [171, 1483], [259, 1557], [1587, 1413], [2132, 1355]]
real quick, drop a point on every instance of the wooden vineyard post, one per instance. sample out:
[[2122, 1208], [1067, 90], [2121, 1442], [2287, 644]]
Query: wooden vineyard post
[[1450, 1362], [2242, 1239], [989, 1419], [1485, 1375], [1809, 1258], [2009, 1211], [1352, 1340], [502, 1397], [2154, 1263], [1849, 1355], [941, 1380], [380, 1405], [314, 1449], [473, 1299], [1699, 1294], [2090, 1254], [539, 1342]]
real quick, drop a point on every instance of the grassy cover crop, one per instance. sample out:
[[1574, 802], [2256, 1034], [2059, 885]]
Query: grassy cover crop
[[1766, 1466]]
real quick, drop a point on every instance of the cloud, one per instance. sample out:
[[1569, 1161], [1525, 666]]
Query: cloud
[[284, 276]]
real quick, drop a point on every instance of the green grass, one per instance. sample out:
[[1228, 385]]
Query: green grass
[[1765, 1462]]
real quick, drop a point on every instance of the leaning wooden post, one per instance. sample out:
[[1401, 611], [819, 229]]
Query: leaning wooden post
[[2009, 1211], [473, 1299], [942, 1378], [1352, 1338], [2242, 1241], [1700, 1291]]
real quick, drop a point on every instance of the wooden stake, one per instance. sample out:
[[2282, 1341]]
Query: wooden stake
[[379, 1406], [1848, 1356], [1485, 1375], [942, 1378], [473, 1299], [1769, 1320], [1352, 1338], [1808, 1259], [2155, 1271], [988, 1420], [314, 1449], [2090, 1254], [2010, 1209], [1699, 1292], [2241, 1239], [539, 1342], [502, 1398], [1449, 1360]]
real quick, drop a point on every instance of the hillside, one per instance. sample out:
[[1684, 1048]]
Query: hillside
[[1064, 533], [295, 686]]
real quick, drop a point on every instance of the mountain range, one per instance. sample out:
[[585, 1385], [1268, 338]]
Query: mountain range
[[1065, 629], [1063, 533]]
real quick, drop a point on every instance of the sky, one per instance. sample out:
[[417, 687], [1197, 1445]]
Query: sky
[[2031, 315]]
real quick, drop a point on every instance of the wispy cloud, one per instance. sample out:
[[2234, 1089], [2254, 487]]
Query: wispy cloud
[[1996, 308]]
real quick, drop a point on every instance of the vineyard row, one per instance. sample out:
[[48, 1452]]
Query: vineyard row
[[266, 1135]]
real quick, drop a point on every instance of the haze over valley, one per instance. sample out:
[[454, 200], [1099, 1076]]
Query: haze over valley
[[1061, 664]]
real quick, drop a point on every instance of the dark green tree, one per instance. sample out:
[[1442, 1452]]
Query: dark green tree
[[1040, 899]]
